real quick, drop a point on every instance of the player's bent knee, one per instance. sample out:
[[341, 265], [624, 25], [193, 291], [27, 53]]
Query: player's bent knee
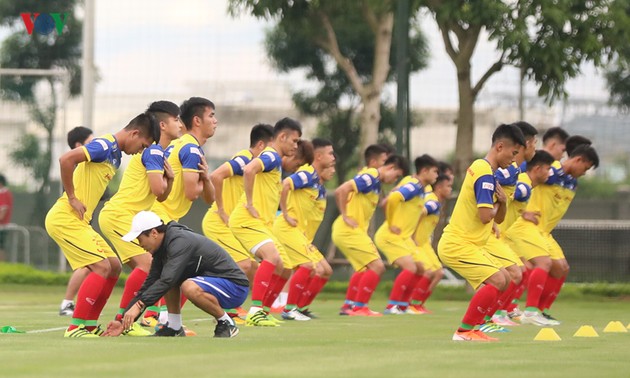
[[190, 289], [377, 267]]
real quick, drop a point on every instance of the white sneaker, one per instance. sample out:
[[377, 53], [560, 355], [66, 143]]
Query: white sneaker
[[393, 311], [294, 314], [68, 310], [534, 318]]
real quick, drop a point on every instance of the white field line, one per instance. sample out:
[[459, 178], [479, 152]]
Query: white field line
[[62, 328]]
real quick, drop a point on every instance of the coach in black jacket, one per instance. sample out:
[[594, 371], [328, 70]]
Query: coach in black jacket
[[184, 260]]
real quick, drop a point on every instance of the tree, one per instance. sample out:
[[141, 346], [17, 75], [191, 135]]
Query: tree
[[35, 51], [318, 22], [548, 39], [291, 46], [618, 80]]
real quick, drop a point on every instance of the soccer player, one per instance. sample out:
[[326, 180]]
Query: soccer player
[[580, 159], [188, 263], [298, 199], [404, 207], [77, 137], [461, 246], [251, 221], [433, 271], [148, 177], [496, 246], [526, 234], [186, 158], [228, 185], [323, 270], [356, 200], [227, 180], [374, 157], [68, 221]]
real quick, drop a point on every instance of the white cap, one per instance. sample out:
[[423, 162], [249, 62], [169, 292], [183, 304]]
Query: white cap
[[144, 220]]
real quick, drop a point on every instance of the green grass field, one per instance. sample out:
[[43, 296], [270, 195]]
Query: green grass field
[[335, 346]]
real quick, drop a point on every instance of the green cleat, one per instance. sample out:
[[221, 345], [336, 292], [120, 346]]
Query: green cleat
[[274, 319], [260, 319], [80, 331], [136, 330]]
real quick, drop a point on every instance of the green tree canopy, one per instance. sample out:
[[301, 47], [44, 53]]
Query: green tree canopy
[[35, 51], [548, 39]]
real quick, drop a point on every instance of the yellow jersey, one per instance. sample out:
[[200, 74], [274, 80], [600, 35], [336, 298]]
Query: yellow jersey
[[267, 186], [316, 217], [91, 177], [477, 192], [363, 200], [302, 199], [518, 201], [547, 199], [134, 194], [233, 186], [407, 199], [429, 222], [184, 155]]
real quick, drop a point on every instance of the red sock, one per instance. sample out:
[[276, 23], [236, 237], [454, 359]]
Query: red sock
[[134, 283], [414, 282], [103, 297], [299, 283], [314, 287], [502, 298], [518, 293], [353, 288], [535, 287], [368, 284], [479, 305], [274, 290], [182, 301], [552, 288], [401, 284], [262, 280], [421, 291], [89, 292]]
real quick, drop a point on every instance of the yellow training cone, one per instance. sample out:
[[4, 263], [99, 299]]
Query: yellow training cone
[[547, 334], [586, 331], [615, 327]]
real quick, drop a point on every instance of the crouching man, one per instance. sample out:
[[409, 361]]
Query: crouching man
[[183, 263]]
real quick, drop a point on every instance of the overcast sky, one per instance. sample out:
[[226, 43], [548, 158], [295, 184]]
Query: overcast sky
[[161, 46]]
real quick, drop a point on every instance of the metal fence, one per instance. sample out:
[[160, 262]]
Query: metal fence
[[597, 250]]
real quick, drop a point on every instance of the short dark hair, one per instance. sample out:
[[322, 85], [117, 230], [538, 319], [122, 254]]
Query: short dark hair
[[194, 106], [388, 148], [3, 180], [287, 123], [160, 229], [511, 132], [161, 109], [441, 178], [587, 152], [147, 124], [400, 162], [444, 166], [320, 143], [555, 132], [540, 157], [305, 151], [528, 130], [373, 151], [261, 131], [424, 161], [575, 140], [78, 135]]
